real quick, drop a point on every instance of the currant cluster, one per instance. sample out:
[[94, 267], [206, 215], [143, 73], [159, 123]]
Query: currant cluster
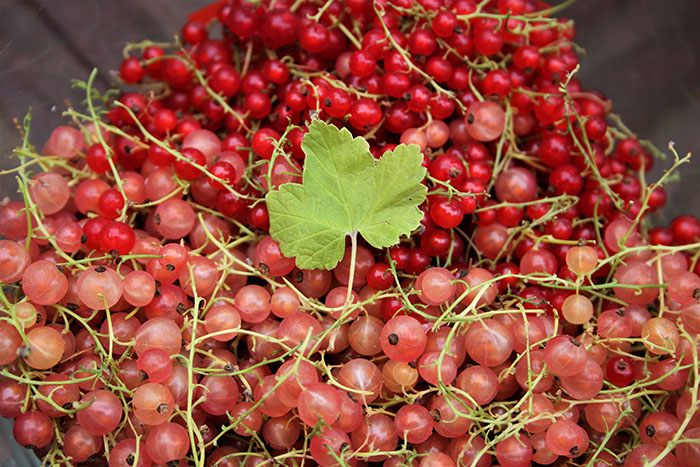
[[148, 317]]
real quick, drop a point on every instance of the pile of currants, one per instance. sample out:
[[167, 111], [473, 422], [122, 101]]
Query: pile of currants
[[535, 317]]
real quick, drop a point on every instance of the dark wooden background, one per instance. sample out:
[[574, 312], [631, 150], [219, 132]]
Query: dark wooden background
[[644, 54]]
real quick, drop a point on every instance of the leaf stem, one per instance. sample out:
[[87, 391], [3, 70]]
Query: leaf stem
[[351, 278]]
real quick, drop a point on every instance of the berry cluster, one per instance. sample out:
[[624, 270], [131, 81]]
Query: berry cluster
[[148, 317]]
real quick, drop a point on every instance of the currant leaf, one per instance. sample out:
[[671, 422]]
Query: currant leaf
[[345, 191]]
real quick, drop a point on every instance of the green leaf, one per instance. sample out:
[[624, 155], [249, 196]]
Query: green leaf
[[345, 191]]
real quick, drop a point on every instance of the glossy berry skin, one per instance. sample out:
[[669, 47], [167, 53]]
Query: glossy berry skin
[[379, 276], [314, 37], [555, 150], [33, 429], [620, 371], [595, 127], [226, 81], [510, 216], [155, 365], [484, 121], [96, 158], [422, 42], [184, 167], [417, 98], [395, 84], [364, 114], [447, 213], [117, 238], [488, 41], [362, 63], [685, 229], [275, 71], [165, 120], [264, 141], [111, 203], [131, 70], [194, 32], [444, 23], [440, 68], [92, 230], [399, 254], [497, 83], [658, 198], [418, 260], [527, 58], [258, 217], [151, 53], [660, 236], [403, 338], [566, 179], [223, 170], [258, 105], [435, 242], [159, 156], [449, 167]]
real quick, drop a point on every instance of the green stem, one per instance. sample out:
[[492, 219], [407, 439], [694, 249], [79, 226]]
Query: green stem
[[351, 278]]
